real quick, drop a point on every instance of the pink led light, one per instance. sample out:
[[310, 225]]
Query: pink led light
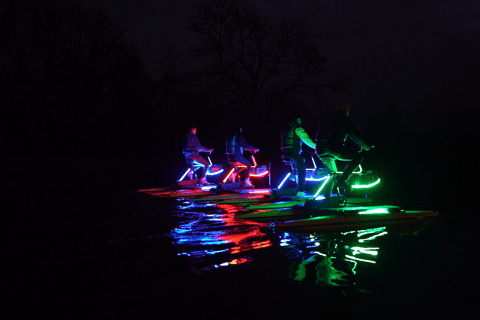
[[259, 192]]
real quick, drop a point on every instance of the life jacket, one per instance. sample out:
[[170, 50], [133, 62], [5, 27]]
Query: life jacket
[[232, 146], [289, 140]]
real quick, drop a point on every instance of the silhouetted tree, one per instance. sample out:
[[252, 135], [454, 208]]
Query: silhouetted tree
[[256, 63], [67, 72]]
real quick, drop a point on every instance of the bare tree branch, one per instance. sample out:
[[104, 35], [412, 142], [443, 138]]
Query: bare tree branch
[[248, 57]]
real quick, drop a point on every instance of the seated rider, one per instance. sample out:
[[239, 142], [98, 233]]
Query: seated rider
[[191, 148], [332, 145], [234, 150], [293, 136]]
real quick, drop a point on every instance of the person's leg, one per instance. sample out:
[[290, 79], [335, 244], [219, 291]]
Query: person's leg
[[330, 165], [200, 160], [299, 164], [241, 159], [355, 159], [351, 166]]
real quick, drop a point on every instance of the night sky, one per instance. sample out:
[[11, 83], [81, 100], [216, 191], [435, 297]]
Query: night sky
[[421, 56]]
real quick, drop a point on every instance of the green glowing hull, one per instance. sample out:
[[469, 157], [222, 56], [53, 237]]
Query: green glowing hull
[[335, 219], [290, 201], [277, 204]]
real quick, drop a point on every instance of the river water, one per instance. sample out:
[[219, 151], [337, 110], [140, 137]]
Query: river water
[[137, 257], [420, 270]]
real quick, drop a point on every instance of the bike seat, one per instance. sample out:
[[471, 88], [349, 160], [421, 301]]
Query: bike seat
[[236, 164]]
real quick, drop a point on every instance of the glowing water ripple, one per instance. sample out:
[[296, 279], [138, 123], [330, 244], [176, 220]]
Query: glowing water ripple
[[210, 237], [216, 236]]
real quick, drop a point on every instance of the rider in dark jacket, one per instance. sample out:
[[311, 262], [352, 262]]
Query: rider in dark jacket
[[333, 146], [292, 139], [235, 145]]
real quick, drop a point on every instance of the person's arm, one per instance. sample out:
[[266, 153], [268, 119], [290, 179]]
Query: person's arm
[[305, 138], [356, 136], [196, 143], [242, 142]]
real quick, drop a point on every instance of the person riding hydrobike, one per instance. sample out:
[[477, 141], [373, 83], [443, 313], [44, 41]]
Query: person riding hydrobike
[[235, 145], [331, 144], [292, 138], [191, 147]]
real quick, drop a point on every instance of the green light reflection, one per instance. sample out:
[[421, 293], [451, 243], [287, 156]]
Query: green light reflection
[[358, 259]]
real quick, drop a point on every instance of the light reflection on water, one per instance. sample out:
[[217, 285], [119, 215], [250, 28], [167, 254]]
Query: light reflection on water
[[210, 237], [213, 238], [330, 259]]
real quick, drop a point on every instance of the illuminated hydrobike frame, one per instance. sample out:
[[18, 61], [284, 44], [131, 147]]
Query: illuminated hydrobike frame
[[212, 170], [257, 171], [325, 178]]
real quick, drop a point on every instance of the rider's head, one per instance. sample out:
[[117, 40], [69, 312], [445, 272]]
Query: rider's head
[[193, 130], [344, 108], [296, 118]]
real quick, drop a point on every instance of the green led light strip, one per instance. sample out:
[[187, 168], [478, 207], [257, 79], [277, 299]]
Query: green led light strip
[[365, 186], [323, 185]]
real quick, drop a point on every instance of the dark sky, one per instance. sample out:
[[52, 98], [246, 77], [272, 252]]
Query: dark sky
[[422, 56]]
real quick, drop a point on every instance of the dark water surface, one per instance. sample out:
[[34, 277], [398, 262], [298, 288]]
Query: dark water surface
[[120, 254]]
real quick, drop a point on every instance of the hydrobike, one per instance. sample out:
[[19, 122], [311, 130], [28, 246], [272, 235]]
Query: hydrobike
[[228, 187], [326, 210], [321, 209], [319, 189], [279, 197]]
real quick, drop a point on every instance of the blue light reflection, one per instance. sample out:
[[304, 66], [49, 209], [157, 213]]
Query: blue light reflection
[[211, 236]]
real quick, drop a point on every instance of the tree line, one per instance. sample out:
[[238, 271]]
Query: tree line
[[71, 83]]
